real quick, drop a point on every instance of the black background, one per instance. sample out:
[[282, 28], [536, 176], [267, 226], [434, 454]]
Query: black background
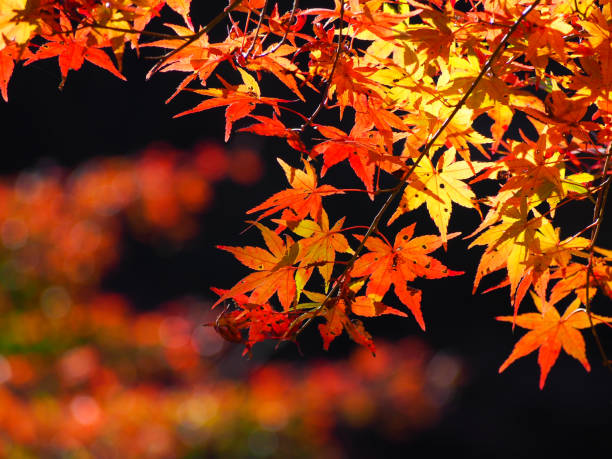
[[491, 416]]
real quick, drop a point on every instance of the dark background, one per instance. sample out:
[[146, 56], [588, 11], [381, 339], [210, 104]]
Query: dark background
[[491, 416]]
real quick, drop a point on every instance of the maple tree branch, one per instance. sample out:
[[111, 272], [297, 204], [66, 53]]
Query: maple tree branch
[[216, 20], [395, 191], [598, 213]]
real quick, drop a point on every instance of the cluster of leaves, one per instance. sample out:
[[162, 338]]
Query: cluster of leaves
[[430, 91]]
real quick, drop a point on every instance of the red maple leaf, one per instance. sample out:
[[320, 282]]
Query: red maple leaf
[[73, 50], [241, 100]]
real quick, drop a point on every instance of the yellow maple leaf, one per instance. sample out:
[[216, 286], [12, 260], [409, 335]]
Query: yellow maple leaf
[[438, 187], [13, 28]]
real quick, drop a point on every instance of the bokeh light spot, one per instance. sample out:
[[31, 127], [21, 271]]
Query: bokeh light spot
[[85, 409], [55, 302], [14, 233]]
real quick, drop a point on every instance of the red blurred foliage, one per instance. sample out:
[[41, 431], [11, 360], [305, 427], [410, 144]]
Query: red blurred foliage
[[66, 227], [146, 384]]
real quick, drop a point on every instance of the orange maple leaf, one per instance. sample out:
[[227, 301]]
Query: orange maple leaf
[[259, 321], [8, 56], [273, 127], [182, 7], [439, 187], [549, 332], [367, 307], [304, 198], [274, 270], [318, 247], [361, 147], [403, 262]]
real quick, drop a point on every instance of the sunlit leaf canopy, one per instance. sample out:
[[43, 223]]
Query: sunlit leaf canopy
[[425, 96]]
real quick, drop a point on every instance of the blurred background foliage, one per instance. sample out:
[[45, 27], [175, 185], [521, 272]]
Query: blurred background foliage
[[83, 373]]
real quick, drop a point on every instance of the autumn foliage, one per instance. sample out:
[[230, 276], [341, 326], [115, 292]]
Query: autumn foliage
[[430, 99]]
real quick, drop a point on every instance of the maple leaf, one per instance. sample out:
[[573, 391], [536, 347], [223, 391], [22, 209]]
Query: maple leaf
[[72, 51], [199, 60], [547, 250], [15, 26], [362, 148], [247, 5], [367, 307], [7, 65], [241, 100], [303, 198], [349, 80], [8, 56], [526, 247], [274, 269], [337, 320], [573, 279], [281, 67], [318, 247], [508, 242], [550, 332], [459, 133], [182, 7], [535, 171], [260, 321], [438, 187], [546, 30], [403, 262], [337, 310], [563, 116], [275, 128]]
